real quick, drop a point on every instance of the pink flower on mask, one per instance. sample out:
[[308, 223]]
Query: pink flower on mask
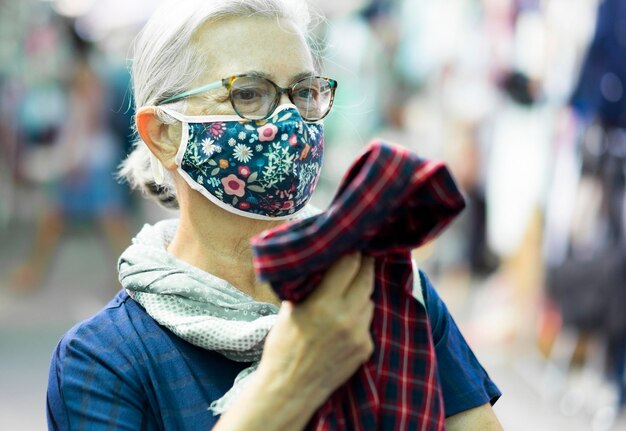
[[233, 185], [287, 205], [267, 132], [244, 171], [216, 129]]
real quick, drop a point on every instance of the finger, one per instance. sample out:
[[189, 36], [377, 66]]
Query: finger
[[365, 313], [286, 307], [365, 319], [339, 276], [363, 285]]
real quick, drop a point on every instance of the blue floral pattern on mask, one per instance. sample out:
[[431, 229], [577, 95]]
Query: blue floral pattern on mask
[[268, 168]]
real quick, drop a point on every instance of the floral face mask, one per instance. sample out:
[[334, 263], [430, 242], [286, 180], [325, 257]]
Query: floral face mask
[[259, 169]]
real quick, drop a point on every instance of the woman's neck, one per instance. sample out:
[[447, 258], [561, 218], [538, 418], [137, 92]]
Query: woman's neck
[[218, 242]]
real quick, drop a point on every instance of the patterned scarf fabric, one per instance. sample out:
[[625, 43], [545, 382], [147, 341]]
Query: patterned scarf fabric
[[389, 202]]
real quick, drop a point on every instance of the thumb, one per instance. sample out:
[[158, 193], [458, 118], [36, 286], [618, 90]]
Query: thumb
[[286, 307]]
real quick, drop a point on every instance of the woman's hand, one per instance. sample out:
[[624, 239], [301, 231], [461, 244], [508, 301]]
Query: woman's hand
[[313, 348], [317, 345]]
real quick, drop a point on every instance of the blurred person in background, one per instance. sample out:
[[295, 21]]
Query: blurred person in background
[[121, 369], [77, 169], [586, 224]]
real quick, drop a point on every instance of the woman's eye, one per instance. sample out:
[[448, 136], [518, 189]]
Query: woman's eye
[[246, 95], [307, 93]]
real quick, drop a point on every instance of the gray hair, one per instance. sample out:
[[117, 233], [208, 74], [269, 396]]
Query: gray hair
[[165, 64]]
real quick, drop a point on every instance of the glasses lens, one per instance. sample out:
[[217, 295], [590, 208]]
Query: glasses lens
[[253, 97], [313, 97]]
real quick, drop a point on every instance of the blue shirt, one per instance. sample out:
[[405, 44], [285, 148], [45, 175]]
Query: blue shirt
[[120, 370]]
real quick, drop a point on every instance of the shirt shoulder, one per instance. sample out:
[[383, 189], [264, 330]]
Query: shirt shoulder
[[96, 364], [110, 324], [113, 336], [133, 374]]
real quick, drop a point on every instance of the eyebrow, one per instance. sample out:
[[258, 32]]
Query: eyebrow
[[271, 77]]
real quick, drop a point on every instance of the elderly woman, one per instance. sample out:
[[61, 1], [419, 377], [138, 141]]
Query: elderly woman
[[225, 89]]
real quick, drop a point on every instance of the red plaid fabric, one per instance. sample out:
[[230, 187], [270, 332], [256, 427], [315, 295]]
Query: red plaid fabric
[[389, 202]]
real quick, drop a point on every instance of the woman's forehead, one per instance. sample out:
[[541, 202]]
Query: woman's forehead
[[237, 45]]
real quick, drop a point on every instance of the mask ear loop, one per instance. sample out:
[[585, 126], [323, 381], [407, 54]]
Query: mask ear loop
[[156, 167]]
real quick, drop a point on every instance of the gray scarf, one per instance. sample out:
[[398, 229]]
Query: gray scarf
[[198, 307]]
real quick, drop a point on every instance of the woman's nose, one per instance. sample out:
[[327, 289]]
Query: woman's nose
[[284, 98]]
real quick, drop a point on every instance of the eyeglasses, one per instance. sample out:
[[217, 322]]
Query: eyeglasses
[[255, 98]]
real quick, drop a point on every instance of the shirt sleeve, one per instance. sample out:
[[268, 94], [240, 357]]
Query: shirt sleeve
[[465, 383], [88, 389]]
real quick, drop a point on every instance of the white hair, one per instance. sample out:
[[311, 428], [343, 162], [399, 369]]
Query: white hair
[[166, 64]]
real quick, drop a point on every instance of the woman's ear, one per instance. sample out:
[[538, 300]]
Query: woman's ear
[[162, 139]]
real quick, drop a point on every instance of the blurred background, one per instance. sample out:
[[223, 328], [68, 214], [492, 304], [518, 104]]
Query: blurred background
[[523, 99]]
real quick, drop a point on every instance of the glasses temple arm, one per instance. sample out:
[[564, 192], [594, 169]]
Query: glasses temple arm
[[211, 86]]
